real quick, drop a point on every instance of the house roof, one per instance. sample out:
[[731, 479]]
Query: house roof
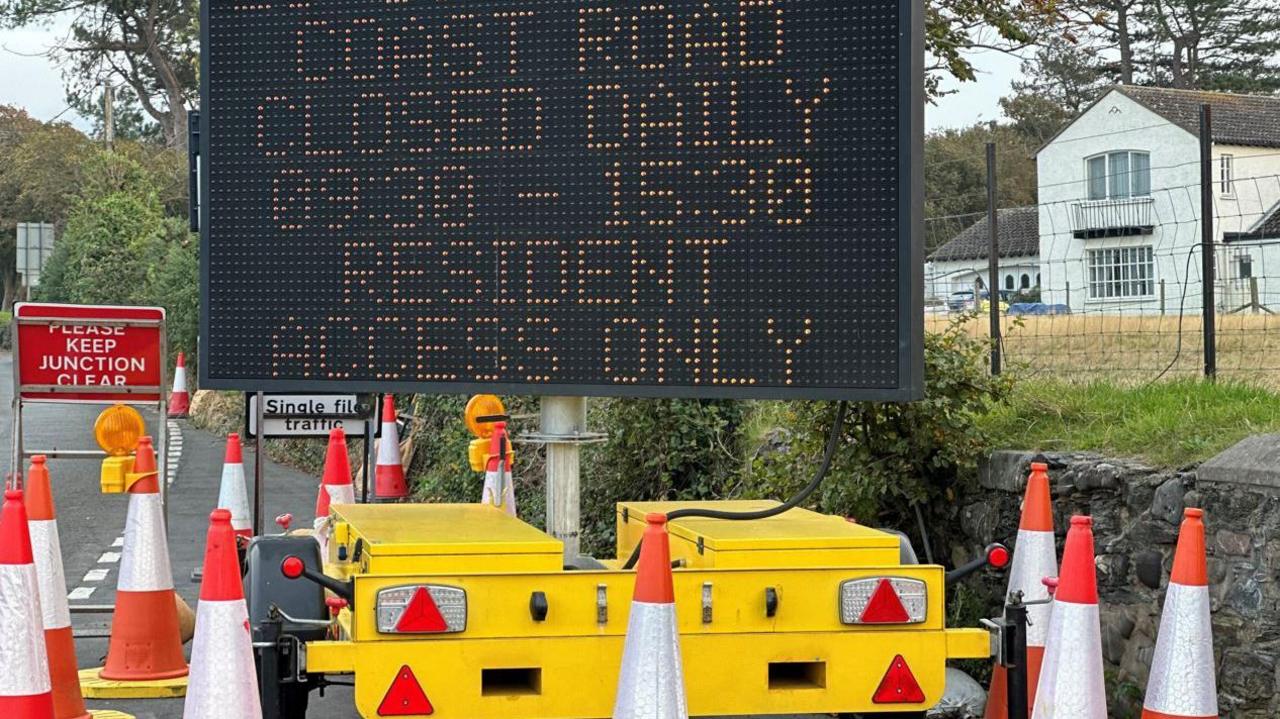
[[1249, 120], [1266, 228], [1017, 235]]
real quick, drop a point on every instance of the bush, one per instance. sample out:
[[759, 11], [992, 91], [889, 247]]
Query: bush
[[105, 254], [892, 456], [174, 284]]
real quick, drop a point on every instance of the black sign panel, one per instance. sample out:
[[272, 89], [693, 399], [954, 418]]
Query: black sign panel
[[677, 197]]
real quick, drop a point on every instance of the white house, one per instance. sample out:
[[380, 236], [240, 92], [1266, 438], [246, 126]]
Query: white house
[[961, 263], [1119, 192]]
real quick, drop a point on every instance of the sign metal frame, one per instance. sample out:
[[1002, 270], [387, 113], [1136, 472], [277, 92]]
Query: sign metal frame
[[150, 395]]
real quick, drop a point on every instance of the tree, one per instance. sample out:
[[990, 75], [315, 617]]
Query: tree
[[1230, 45], [955, 177], [39, 178], [1055, 86], [954, 28], [1117, 24], [149, 45]]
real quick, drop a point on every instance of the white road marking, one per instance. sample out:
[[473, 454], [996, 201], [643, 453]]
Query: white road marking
[[80, 593], [109, 558], [119, 542], [95, 575]]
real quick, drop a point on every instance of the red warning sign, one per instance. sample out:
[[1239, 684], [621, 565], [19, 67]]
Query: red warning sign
[[405, 697], [87, 347]]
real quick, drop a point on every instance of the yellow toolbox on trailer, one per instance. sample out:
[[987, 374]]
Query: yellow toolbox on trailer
[[795, 538]]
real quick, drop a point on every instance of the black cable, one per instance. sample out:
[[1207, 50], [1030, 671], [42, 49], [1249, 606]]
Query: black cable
[[833, 441]]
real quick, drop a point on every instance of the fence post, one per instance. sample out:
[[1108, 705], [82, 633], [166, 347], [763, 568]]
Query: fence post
[[1161, 298], [1068, 294], [1209, 319], [993, 259], [1254, 302]]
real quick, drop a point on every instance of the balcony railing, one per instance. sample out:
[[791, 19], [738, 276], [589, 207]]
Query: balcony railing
[[1112, 218]]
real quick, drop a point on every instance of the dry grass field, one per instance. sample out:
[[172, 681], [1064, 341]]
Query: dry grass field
[[1132, 349]]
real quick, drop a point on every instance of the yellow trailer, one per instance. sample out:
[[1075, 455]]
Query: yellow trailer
[[784, 615]]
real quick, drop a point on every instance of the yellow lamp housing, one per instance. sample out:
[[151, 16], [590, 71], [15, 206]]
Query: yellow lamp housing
[[113, 475], [117, 431]]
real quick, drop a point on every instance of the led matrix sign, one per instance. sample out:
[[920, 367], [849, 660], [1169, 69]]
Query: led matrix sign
[[677, 197]]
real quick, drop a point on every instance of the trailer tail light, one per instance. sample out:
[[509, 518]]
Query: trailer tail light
[[899, 685], [883, 600], [422, 609]]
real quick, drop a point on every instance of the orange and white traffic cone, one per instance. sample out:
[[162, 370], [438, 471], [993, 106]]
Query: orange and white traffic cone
[[1071, 683], [146, 641], [389, 474], [651, 682], [499, 490], [25, 689], [1035, 557], [232, 494], [335, 487], [180, 398], [224, 683], [1182, 683], [42, 520]]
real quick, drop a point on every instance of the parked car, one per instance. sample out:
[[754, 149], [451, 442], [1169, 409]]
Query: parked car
[[962, 301]]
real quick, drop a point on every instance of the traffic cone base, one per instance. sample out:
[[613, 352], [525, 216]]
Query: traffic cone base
[[144, 638], [1071, 680]]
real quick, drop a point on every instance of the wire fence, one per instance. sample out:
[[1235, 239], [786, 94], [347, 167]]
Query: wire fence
[[1095, 286]]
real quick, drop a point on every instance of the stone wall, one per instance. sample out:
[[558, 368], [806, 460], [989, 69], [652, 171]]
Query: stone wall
[[1136, 511]]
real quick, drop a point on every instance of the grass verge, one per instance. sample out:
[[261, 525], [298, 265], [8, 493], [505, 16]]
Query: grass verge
[[1170, 423]]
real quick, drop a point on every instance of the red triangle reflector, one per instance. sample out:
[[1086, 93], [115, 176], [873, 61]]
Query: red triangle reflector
[[422, 615], [884, 607], [899, 685], [405, 697]]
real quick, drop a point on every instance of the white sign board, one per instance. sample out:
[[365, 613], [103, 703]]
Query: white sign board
[[309, 415], [35, 244]]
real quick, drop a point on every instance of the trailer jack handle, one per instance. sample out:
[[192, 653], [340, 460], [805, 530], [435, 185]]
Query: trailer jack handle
[[1009, 644], [293, 568]]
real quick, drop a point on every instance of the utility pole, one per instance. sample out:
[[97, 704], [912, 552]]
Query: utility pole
[[1207, 278], [993, 260], [108, 115]]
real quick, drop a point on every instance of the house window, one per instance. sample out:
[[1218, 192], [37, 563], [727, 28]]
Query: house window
[[1008, 282], [1026, 282], [1121, 273], [1227, 175], [1117, 175], [1244, 267]]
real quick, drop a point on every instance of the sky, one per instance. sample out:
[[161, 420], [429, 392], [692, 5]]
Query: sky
[[30, 80]]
